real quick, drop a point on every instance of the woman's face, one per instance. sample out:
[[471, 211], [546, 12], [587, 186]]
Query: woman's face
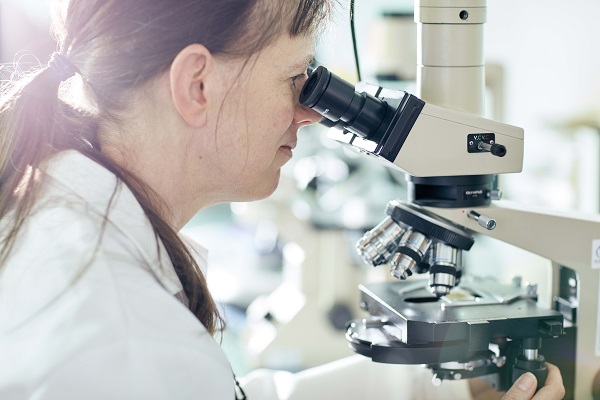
[[258, 120]]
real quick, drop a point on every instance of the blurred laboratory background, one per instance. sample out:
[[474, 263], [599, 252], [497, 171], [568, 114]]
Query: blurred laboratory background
[[285, 268]]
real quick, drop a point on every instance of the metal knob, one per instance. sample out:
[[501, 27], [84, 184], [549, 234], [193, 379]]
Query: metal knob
[[497, 150], [483, 220]]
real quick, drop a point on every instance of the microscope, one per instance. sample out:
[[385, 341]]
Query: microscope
[[461, 326]]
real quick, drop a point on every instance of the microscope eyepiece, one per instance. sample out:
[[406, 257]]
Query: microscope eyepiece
[[315, 86], [338, 101]]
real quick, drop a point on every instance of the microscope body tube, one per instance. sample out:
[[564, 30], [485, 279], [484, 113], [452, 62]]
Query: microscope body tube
[[451, 75], [450, 61]]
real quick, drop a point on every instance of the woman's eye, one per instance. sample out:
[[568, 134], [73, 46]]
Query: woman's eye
[[298, 80]]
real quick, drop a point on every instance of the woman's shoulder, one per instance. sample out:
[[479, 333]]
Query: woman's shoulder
[[82, 210]]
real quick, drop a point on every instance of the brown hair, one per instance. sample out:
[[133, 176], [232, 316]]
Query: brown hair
[[117, 46]]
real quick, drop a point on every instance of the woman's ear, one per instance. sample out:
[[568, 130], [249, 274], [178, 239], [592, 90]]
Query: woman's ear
[[191, 72]]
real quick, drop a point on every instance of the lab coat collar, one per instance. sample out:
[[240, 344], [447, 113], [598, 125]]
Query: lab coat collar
[[106, 195]]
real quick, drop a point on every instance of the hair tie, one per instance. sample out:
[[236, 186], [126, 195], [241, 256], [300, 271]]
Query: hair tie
[[62, 67]]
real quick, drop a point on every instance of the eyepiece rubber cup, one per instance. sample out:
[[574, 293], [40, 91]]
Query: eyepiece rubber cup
[[315, 86]]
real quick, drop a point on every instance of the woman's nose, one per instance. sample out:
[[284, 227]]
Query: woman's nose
[[306, 116]]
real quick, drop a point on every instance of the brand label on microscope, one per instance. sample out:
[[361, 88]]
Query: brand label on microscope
[[596, 254]]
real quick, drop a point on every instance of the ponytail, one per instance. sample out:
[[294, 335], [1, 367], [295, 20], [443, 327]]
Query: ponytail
[[29, 126]]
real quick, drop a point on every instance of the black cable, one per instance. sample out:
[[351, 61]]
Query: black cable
[[354, 40], [239, 392]]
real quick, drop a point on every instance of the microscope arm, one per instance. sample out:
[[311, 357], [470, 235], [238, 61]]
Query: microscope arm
[[565, 238]]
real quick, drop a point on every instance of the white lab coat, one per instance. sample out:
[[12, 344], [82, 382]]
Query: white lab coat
[[88, 312]]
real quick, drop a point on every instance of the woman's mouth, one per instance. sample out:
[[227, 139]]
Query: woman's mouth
[[288, 147], [287, 150]]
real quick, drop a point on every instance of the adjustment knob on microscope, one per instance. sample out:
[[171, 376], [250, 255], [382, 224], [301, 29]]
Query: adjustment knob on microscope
[[496, 149], [496, 194], [483, 220]]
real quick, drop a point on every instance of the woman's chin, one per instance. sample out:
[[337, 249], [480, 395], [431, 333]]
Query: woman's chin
[[262, 190]]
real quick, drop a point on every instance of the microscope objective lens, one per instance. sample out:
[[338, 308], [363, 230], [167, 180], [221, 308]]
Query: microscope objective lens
[[378, 245]]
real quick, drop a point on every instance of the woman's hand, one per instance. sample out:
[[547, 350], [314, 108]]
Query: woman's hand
[[524, 387]]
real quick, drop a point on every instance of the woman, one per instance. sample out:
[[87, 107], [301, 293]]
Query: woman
[[148, 112], [167, 108]]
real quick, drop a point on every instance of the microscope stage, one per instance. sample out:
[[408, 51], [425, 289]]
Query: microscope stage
[[411, 326]]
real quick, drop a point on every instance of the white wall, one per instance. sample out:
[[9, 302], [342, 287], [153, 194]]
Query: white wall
[[549, 50], [24, 31]]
